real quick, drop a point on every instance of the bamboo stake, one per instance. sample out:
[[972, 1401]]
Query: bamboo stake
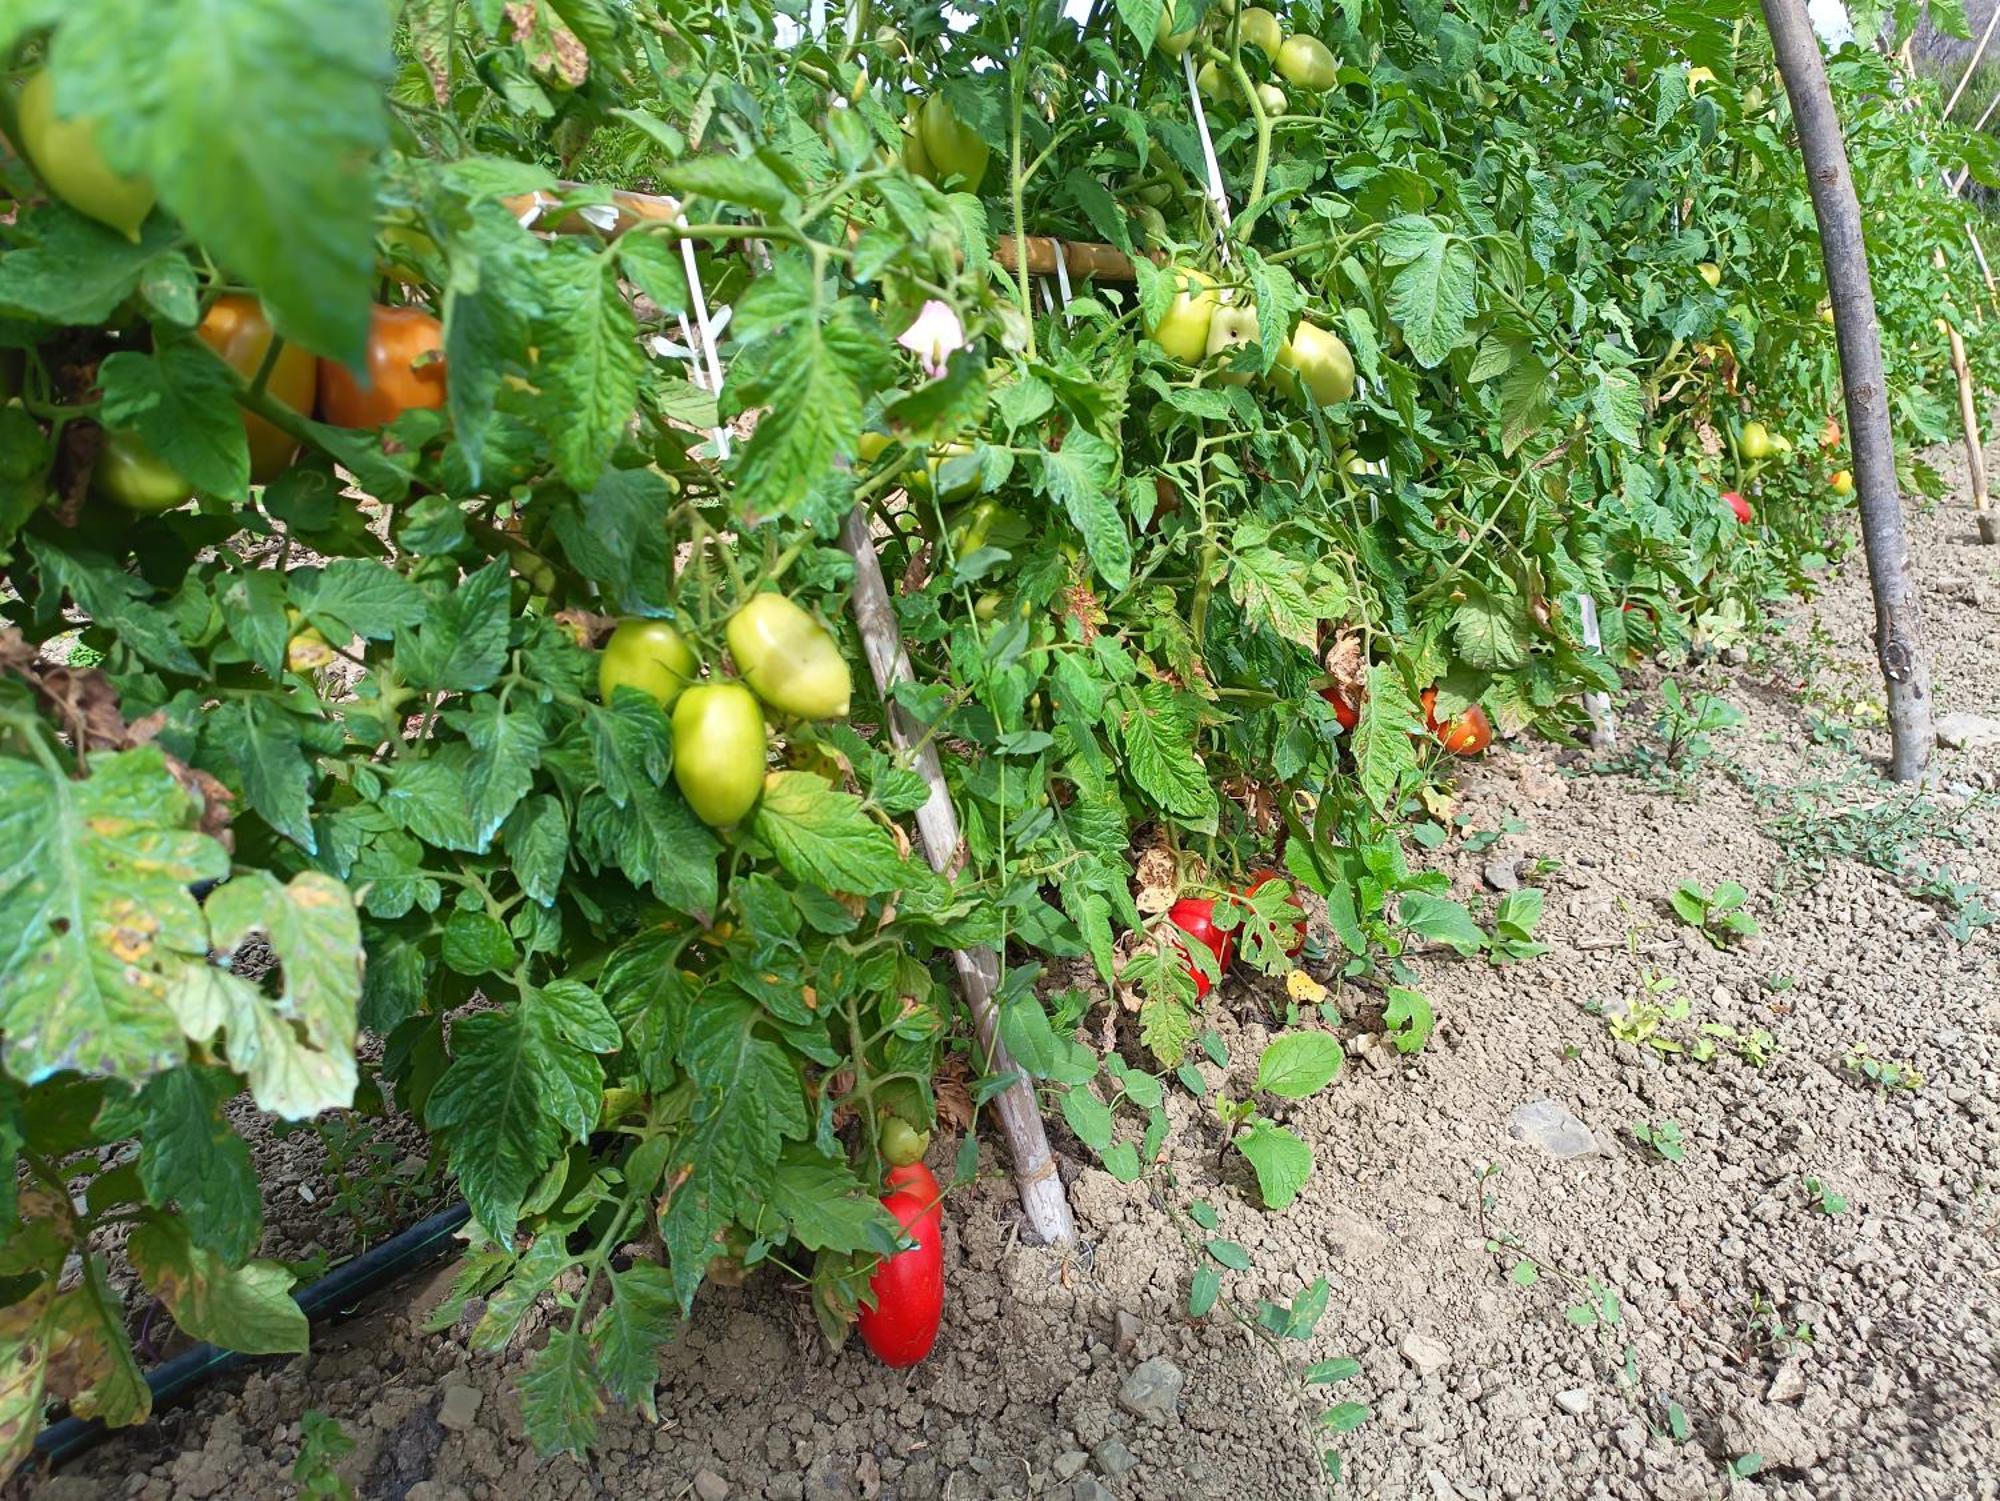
[[1899, 635], [1041, 1190], [1973, 63], [1080, 258], [1975, 452]]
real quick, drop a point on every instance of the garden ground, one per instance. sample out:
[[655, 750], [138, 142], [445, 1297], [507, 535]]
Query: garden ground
[[1813, 1283]]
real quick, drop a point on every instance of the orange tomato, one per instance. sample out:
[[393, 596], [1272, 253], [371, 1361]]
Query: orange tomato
[[238, 329], [398, 339], [1467, 735]]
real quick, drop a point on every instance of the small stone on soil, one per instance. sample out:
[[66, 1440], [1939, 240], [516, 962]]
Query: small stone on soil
[[1112, 1457], [1968, 732], [459, 1407], [1789, 1384], [710, 1486], [1125, 1330], [1155, 1386], [1552, 1127], [1576, 1401], [1428, 1355], [1086, 1488], [1502, 875], [1070, 1464]]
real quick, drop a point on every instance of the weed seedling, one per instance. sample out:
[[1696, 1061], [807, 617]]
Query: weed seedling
[[1664, 1137], [1825, 1200], [1886, 1074], [1717, 915]]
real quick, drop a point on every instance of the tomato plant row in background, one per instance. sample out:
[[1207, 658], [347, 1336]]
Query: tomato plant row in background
[[439, 610]]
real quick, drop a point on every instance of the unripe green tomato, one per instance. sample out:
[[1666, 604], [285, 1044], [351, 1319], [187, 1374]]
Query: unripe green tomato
[[1260, 29], [903, 1143], [65, 152], [648, 655], [1272, 98], [1172, 36], [1756, 441], [947, 471], [1182, 331], [1305, 62], [719, 751], [1213, 85], [788, 658], [1320, 359], [1234, 325], [1710, 273], [872, 445], [1157, 194], [131, 474], [955, 149]]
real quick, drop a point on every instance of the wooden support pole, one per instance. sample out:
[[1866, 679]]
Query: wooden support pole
[[1899, 638], [1014, 1107], [1975, 451]]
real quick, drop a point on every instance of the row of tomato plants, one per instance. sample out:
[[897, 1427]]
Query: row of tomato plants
[[1203, 584]]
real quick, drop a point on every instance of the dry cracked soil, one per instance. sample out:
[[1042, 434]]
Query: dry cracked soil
[[1812, 1283]]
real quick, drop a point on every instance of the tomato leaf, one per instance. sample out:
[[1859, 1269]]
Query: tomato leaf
[[1083, 478], [190, 1155], [260, 739], [1441, 920], [561, 1397], [74, 271], [1382, 754], [462, 642], [590, 359], [180, 401], [817, 836], [523, 1083], [1490, 631], [83, 985], [824, 1202], [1156, 729], [1433, 295], [248, 1308], [246, 104]]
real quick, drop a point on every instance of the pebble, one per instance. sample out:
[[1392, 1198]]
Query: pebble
[[710, 1486], [1502, 875], [459, 1407], [1112, 1457], [1788, 1384], [1427, 1354], [1087, 1488], [1069, 1465], [1154, 1386], [1125, 1331], [1552, 1127], [1576, 1401], [1968, 732]]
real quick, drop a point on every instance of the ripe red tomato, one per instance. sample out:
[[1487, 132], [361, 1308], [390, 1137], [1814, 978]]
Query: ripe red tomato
[[1467, 735], [1195, 916], [908, 1287], [1739, 506], [395, 383], [237, 329], [1264, 878], [1345, 709]]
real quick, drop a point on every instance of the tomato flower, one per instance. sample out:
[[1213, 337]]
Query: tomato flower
[[933, 337]]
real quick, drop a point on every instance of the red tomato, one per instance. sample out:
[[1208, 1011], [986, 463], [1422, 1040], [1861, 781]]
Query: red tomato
[[395, 382], [1264, 878], [1467, 735], [908, 1287], [1740, 506], [1195, 916], [1345, 709]]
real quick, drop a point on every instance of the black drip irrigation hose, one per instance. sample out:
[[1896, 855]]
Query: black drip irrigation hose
[[337, 1291]]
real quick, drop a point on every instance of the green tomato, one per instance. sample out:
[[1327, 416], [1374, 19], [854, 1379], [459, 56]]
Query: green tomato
[[1234, 325], [1756, 441], [955, 149], [1157, 194], [949, 470], [1169, 37], [915, 158], [1182, 331], [719, 751], [1152, 226], [131, 474], [789, 659], [1320, 359], [65, 153], [1261, 29], [1305, 62], [649, 655], [1710, 273], [903, 1143], [1272, 98], [1214, 86]]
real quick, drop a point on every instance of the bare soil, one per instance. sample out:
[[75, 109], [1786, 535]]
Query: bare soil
[[1852, 1351]]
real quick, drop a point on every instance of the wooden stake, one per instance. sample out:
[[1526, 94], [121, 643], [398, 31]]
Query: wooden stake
[[1899, 636], [1014, 1107], [1975, 452]]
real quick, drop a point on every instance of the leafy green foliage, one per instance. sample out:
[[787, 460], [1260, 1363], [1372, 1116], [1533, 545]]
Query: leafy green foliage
[[328, 753]]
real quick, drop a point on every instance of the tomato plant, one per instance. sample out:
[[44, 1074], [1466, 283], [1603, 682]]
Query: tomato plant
[[646, 969]]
